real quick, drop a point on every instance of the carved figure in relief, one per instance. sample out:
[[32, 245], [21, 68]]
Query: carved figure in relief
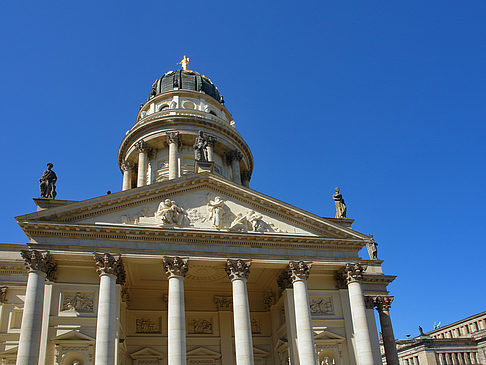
[[216, 212], [80, 302], [170, 213], [250, 221], [200, 148], [201, 326], [146, 325], [47, 183], [339, 202], [321, 305]]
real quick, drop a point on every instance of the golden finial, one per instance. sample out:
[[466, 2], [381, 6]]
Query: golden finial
[[184, 63]]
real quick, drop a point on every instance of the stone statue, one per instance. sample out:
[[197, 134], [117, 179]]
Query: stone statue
[[216, 212], [200, 148], [372, 250], [421, 331], [47, 182], [185, 63], [340, 206], [170, 213]]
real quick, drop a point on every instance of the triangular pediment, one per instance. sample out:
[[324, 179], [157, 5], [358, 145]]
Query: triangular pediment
[[196, 202], [259, 352], [323, 334], [203, 353], [73, 336], [146, 353]]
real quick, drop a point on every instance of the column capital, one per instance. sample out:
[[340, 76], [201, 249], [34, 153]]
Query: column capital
[[39, 261], [107, 264], [283, 280], [234, 156], [127, 165], [238, 269], [3, 294], [381, 302], [299, 270], [173, 137], [175, 266], [142, 146], [351, 273]]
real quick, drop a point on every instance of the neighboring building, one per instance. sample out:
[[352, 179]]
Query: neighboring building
[[188, 265], [462, 342]]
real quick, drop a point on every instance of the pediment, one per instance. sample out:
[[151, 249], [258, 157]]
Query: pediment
[[203, 353], [324, 334], [195, 202], [73, 336], [146, 353], [259, 352]]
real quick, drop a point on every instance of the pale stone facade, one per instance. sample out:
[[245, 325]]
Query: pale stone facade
[[187, 264], [462, 343]]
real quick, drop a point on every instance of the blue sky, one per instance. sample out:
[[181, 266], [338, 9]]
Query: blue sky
[[384, 99]]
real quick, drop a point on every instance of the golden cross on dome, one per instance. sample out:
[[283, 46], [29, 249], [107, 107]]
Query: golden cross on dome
[[184, 63]]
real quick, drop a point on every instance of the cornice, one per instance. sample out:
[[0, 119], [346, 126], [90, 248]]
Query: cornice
[[180, 236], [378, 279], [155, 192]]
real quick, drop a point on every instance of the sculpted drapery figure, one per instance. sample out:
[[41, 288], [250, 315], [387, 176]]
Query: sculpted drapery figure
[[339, 202], [169, 212], [372, 249], [47, 183], [216, 212], [200, 148]]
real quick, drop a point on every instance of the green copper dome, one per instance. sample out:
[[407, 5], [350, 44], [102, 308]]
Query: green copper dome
[[185, 80]]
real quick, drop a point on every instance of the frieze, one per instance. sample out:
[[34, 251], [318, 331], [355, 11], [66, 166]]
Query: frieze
[[81, 302], [256, 327], [321, 305], [148, 325], [200, 326], [223, 303]]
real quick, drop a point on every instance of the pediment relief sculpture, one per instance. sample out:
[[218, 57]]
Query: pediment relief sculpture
[[213, 212]]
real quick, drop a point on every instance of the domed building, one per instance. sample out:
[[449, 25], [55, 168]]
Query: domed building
[[187, 264]]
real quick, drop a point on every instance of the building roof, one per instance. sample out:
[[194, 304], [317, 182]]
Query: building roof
[[185, 80]]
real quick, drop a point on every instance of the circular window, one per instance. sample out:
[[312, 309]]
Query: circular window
[[189, 105]]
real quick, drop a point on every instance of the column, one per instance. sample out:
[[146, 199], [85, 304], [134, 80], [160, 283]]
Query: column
[[234, 157], [353, 274], [225, 305], [238, 271], [209, 147], [111, 272], [176, 269], [142, 149], [245, 178], [382, 304], [299, 272], [40, 266], [127, 168], [173, 140]]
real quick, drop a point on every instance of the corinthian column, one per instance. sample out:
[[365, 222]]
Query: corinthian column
[[40, 267], [352, 274], [383, 304], [142, 149], [238, 271], [176, 269], [235, 157], [111, 272], [127, 168], [173, 140], [299, 272]]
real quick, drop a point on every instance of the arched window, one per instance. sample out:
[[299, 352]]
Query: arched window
[[163, 106]]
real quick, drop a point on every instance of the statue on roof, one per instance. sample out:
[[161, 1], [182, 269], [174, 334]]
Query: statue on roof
[[184, 63], [340, 205], [371, 247], [47, 183]]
